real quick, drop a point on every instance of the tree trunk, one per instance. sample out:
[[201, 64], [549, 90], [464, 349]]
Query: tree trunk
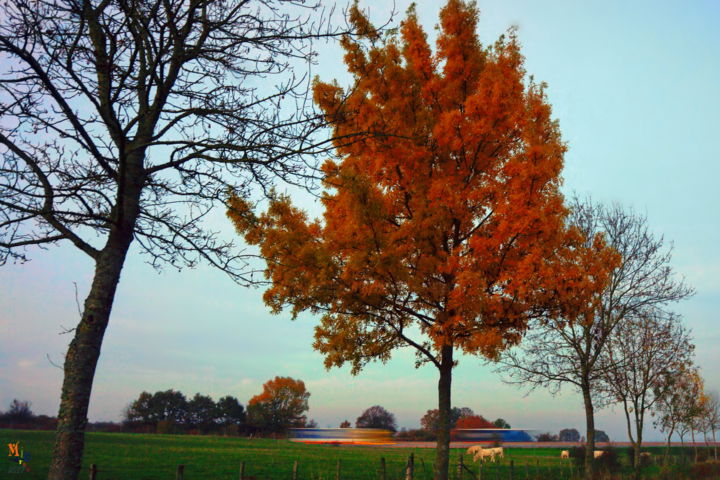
[[639, 421], [633, 443], [80, 362], [692, 435], [590, 426], [442, 454], [84, 349], [667, 448]]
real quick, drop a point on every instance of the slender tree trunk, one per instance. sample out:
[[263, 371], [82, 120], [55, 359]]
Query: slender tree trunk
[[442, 454], [714, 445], [667, 448], [639, 423], [692, 435], [590, 427], [631, 437], [84, 349]]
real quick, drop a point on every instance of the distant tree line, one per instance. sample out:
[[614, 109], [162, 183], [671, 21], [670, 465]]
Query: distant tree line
[[571, 435], [19, 415], [281, 405], [460, 418], [170, 412]]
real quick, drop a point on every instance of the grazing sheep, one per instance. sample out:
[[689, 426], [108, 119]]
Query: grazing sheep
[[598, 453], [484, 453], [474, 449], [565, 454], [645, 454], [499, 452]]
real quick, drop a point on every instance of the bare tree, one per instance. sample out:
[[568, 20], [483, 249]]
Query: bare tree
[[694, 409], [712, 417], [642, 356], [673, 405], [126, 121], [567, 351]]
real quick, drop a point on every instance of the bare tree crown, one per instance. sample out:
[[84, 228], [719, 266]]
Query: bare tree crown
[[172, 101]]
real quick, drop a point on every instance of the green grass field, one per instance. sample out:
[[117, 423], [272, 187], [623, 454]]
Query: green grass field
[[155, 457]]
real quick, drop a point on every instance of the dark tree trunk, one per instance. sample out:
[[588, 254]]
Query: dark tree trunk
[[667, 448], [84, 349], [633, 443], [590, 427], [639, 422], [442, 454]]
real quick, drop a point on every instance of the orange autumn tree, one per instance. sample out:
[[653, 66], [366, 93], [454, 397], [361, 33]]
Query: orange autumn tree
[[281, 405], [443, 228]]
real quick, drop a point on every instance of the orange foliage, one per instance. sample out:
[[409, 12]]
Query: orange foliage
[[281, 405], [444, 212], [474, 421], [282, 389]]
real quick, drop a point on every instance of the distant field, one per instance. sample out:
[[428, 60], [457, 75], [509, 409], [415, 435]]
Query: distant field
[[155, 457]]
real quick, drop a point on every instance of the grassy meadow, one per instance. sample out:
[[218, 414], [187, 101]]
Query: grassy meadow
[[155, 457]]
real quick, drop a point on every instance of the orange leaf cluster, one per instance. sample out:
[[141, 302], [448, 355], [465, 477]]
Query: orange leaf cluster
[[283, 390], [444, 215]]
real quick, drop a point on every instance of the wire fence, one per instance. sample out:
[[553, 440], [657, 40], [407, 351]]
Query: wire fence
[[385, 469]]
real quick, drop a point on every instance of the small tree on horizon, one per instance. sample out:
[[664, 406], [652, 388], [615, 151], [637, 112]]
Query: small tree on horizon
[[569, 435], [430, 422], [376, 417], [281, 405], [150, 408], [501, 423], [547, 437], [18, 411], [601, 436], [202, 413]]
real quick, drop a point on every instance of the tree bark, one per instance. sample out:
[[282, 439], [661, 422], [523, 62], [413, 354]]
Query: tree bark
[[667, 448], [590, 426], [84, 349], [442, 453], [639, 422]]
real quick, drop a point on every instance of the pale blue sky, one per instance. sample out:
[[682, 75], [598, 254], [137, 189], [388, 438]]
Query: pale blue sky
[[635, 88]]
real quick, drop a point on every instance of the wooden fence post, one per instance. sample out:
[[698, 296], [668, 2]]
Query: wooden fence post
[[410, 467], [512, 469], [295, 469], [460, 467], [337, 471], [93, 471], [382, 469], [242, 470], [180, 473]]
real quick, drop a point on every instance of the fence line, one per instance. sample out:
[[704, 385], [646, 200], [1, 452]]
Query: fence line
[[504, 470]]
